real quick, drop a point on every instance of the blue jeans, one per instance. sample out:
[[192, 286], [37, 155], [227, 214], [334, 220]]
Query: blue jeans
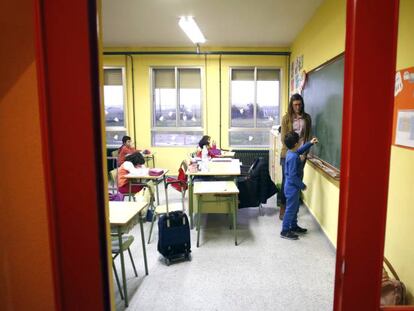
[[290, 220]]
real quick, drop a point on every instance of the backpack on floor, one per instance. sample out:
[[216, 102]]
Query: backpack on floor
[[174, 236], [393, 291]]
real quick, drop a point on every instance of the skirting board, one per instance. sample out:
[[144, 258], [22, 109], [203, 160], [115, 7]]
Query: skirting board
[[320, 227]]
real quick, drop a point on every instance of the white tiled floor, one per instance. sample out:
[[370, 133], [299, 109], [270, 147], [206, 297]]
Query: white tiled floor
[[264, 272]]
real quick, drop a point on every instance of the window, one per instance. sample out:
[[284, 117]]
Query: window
[[177, 106], [114, 99], [254, 101]]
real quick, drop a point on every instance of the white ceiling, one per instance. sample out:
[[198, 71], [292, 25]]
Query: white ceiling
[[224, 23]]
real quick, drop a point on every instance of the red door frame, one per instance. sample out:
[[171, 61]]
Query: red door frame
[[370, 57], [70, 110]]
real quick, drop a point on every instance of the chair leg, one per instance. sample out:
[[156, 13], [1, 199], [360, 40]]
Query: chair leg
[[183, 199], [152, 225], [132, 262], [117, 280]]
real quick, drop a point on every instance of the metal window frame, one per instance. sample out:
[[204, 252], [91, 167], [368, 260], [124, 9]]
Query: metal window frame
[[182, 130], [109, 129], [255, 128], [177, 128], [125, 100], [244, 129]]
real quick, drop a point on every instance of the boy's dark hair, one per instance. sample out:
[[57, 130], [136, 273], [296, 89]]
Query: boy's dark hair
[[291, 139], [204, 141], [125, 139], [135, 158]]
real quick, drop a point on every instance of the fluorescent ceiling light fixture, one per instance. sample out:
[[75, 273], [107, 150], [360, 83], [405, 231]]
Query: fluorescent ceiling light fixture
[[189, 26]]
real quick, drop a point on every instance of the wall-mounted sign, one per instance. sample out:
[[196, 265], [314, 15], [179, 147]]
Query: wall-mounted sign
[[403, 132], [297, 75]]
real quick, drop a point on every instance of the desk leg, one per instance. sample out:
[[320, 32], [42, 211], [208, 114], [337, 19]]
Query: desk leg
[[235, 218], [129, 189], [144, 251], [200, 197], [121, 254], [156, 188], [230, 214], [190, 200]]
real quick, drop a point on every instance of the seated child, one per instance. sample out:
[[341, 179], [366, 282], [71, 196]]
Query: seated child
[[293, 185], [125, 149], [134, 164], [212, 150]]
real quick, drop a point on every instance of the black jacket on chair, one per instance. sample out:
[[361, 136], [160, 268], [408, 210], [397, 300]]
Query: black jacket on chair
[[257, 186]]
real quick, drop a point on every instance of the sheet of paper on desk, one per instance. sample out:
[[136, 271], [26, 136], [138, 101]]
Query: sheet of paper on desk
[[139, 172], [221, 160]]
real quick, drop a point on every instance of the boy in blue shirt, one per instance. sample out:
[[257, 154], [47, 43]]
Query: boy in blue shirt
[[293, 185]]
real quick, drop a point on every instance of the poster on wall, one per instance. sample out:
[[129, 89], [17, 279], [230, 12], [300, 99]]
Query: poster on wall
[[405, 128], [403, 132], [297, 75]]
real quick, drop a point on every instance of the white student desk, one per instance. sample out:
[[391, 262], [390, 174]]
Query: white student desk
[[122, 217], [224, 191], [216, 167], [143, 180], [226, 154]]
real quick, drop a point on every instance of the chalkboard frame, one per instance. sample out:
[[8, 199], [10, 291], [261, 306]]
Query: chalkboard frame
[[326, 168]]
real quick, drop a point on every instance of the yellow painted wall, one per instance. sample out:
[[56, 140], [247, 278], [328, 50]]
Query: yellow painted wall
[[322, 39], [400, 217], [171, 157]]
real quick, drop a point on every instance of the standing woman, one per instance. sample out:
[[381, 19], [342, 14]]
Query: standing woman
[[296, 119]]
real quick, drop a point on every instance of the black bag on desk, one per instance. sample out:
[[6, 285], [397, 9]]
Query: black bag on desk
[[174, 236]]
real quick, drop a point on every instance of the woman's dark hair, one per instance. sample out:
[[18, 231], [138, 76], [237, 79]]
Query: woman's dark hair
[[290, 107], [204, 141], [291, 139], [135, 158]]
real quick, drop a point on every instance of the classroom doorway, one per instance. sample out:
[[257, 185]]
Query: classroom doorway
[[60, 66]]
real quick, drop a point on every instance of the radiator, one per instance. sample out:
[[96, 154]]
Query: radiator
[[248, 156]]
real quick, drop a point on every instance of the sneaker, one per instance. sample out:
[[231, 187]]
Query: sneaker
[[289, 235], [299, 230]]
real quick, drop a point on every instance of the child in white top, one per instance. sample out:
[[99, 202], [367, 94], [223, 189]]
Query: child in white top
[[134, 164]]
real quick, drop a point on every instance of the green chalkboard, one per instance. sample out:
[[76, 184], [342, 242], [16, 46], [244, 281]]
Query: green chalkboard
[[323, 95]]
